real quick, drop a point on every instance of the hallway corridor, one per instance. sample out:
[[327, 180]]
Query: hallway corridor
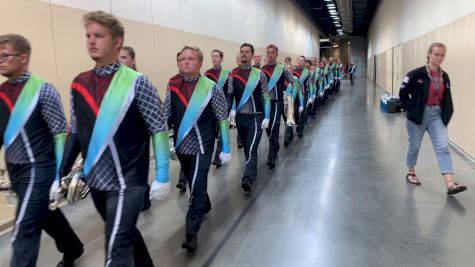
[[337, 197]]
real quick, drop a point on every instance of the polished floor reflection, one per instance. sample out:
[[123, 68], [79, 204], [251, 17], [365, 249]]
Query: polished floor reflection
[[336, 198]]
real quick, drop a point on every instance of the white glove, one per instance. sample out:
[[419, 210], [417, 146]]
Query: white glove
[[54, 190], [300, 109], [321, 94], [310, 101], [225, 157], [232, 115], [159, 191], [265, 124]]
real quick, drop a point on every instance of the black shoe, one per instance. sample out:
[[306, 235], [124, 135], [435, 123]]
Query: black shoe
[[191, 244], [217, 163], [181, 185], [300, 134], [246, 185], [68, 261], [271, 164], [286, 143], [239, 145]]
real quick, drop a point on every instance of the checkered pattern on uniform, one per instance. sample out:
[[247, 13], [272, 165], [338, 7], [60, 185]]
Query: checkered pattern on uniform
[[219, 104], [191, 143], [107, 69], [150, 106], [248, 107], [21, 78], [52, 109], [103, 175], [52, 112], [17, 150]]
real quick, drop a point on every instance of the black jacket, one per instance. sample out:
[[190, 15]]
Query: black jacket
[[414, 92]]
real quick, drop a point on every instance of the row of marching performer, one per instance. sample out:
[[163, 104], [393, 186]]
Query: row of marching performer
[[318, 81], [116, 116]]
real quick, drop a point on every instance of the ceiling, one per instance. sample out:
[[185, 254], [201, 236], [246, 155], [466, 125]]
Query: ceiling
[[354, 15]]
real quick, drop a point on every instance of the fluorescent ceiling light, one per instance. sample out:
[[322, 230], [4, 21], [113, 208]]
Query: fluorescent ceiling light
[[331, 5], [335, 46], [333, 12], [324, 40], [328, 0]]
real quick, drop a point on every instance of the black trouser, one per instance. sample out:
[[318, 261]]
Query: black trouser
[[32, 185], [304, 116], [274, 128], [352, 78], [289, 130], [338, 85], [120, 209], [195, 168], [218, 149], [312, 108], [250, 132]]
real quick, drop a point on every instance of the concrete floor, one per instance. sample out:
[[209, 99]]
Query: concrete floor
[[336, 198]]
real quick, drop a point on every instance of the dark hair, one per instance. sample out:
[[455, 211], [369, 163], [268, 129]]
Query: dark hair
[[131, 53], [178, 55], [302, 57], [248, 45], [221, 54], [308, 61], [273, 46], [288, 58], [19, 43]]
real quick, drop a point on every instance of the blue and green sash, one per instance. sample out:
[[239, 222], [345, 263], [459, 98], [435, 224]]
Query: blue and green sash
[[198, 102], [279, 68], [114, 106], [251, 84], [223, 78], [24, 106], [303, 76]]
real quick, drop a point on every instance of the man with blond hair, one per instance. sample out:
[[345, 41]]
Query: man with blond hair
[[106, 103], [195, 106], [33, 130]]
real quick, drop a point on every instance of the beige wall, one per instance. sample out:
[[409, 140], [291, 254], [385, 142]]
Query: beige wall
[[398, 21], [459, 37]]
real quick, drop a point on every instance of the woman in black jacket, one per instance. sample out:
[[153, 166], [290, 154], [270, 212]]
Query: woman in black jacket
[[425, 94]]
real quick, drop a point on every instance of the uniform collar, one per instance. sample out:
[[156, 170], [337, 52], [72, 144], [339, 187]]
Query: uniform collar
[[245, 66], [21, 78], [190, 79], [107, 69]]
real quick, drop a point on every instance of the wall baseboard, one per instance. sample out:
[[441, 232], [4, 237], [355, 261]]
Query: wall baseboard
[[461, 152]]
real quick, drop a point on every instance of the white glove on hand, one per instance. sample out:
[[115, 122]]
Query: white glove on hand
[[300, 109], [225, 157], [232, 115], [54, 190], [265, 124], [159, 191], [310, 101]]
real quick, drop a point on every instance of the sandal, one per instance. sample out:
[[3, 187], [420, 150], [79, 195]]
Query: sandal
[[414, 180], [455, 188]]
